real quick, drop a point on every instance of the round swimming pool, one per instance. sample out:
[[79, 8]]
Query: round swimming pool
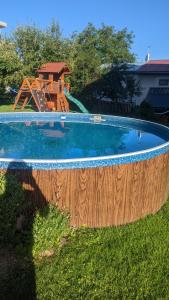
[[103, 170]]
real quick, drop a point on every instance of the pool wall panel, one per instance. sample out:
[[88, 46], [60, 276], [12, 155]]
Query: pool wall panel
[[102, 196]]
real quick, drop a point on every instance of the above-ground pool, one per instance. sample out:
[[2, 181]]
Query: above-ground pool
[[103, 170]]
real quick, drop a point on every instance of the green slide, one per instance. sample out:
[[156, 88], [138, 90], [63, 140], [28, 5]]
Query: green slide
[[74, 100]]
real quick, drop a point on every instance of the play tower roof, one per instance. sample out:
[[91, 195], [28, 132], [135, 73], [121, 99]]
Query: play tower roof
[[54, 67]]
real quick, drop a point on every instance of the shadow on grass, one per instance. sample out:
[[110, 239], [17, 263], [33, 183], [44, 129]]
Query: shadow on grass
[[18, 208]]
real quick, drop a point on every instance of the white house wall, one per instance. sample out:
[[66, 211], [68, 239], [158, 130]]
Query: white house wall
[[146, 82]]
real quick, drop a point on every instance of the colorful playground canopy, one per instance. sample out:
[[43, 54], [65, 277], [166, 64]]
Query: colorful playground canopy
[[3, 24]]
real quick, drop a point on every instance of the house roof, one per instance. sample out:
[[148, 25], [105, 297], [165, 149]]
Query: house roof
[[155, 66], [54, 67]]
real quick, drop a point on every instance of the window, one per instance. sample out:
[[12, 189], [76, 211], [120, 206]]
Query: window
[[45, 76], [163, 81]]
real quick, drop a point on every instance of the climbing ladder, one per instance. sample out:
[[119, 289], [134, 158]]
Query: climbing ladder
[[39, 98], [30, 88]]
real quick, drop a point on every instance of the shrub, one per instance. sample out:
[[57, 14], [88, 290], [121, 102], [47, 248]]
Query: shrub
[[146, 110]]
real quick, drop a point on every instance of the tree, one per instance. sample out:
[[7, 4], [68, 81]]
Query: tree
[[54, 47], [87, 62], [132, 87], [114, 46], [117, 84], [97, 49], [35, 46], [29, 42], [11, 67]]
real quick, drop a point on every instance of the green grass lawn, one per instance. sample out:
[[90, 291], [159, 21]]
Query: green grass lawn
[[125, 262], [7, 106], [128, 262]]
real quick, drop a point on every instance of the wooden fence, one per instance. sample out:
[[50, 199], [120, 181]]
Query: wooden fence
[[102, 107]]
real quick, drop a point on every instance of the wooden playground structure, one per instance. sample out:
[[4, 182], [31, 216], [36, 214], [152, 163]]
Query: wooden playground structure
[[47, 90]]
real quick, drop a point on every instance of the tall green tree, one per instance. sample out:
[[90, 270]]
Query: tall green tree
[[11, 67], [114, 47], [86, 67], [94, 49], [35, 46], [54, 47], [29, 42]]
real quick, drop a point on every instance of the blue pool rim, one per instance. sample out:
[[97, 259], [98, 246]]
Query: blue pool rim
[[92, 162]]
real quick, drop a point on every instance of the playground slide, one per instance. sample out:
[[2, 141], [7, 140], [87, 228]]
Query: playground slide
[[74, 100]]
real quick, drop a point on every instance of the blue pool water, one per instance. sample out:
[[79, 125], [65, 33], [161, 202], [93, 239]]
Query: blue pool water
[[63, 140]]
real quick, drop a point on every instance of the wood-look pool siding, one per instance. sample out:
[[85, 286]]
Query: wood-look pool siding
[[102, 196]]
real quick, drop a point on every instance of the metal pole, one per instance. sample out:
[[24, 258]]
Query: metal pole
[[3, 24]]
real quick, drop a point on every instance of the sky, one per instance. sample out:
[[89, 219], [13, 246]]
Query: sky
[[147, 19]]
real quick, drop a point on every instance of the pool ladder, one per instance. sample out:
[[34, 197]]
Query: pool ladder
[[97, 119]]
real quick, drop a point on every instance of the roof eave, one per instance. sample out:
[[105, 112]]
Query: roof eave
[[152, 72]]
